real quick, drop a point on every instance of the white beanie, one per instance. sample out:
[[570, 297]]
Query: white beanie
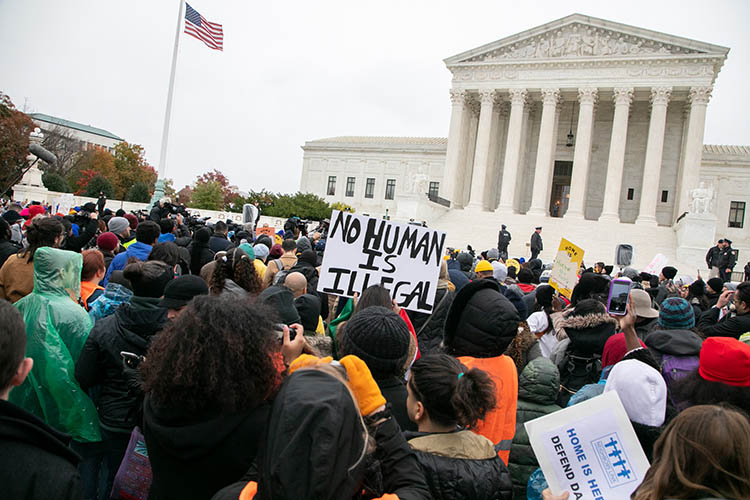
[[499, 271], [641, 389], [538, 322]]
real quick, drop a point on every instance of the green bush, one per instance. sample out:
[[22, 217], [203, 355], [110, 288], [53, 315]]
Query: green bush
[[99, 184], [138, 192], [303, 205]]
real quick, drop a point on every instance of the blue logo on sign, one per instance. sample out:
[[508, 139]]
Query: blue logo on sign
[[613, 460]]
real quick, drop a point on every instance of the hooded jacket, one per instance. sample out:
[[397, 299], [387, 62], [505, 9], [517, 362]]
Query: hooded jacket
[[314, 449], [138, 251], [673, 342], [480, 326], [538, 386], [194, 456], [129, 329], [461, 465], [37, 462], [580, 362], [429, 327], [56, 330]]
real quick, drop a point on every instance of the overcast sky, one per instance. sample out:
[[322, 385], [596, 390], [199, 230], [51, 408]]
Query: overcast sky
[[300, 70]]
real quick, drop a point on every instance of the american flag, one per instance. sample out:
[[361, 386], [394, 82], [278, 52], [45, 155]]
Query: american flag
[[209, 33]]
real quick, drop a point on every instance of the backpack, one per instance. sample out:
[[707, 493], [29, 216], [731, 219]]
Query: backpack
[[673, 368], [280, 275], [575, 372]]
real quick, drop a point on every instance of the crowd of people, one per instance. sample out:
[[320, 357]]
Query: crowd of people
[[151, 355]]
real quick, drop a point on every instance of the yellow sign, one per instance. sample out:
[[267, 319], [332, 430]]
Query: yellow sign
[[564, 275]]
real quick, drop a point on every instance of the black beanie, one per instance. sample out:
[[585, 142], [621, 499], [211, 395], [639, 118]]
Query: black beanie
[[715, 284], [669, 272], [544, 294], [380, 338]]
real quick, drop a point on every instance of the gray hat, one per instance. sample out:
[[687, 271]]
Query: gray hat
[[261, 251], [118, 224]]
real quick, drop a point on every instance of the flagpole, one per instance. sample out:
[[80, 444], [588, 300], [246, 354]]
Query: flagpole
[[159, 188]]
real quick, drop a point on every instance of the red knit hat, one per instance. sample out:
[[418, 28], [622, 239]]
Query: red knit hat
[[725, 360], [615, 350], [107, 241], [133, 220]]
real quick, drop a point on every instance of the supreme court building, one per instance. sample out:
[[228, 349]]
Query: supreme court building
[[589, 128]]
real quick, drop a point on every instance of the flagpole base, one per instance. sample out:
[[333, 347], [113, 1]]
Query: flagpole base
[[158, 191]]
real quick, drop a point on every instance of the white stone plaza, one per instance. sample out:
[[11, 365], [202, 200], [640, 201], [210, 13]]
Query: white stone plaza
[[589, 128]]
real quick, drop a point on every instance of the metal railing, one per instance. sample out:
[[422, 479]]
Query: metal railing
[[437, 199]]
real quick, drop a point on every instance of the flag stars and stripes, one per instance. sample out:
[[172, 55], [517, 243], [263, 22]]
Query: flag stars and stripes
[[197, 26]]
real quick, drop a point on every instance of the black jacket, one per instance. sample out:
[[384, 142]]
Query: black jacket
[[394, 392], [536, 241], [481, 322], [219, 244], [7, 248], [729, 326], [36, 462], [503, 239], [462, 477], [429, 327], [712, 257], [76, 243], [313, 445], [195, 456], [203, 255], [727, 260], [129, 329]]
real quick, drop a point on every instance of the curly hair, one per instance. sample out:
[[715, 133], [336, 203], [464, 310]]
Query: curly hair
[[450, 393], [237, 266], [695, 390], [220, 355], [42, 232]]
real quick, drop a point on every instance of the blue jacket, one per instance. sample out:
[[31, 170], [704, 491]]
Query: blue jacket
[[137, 250], [167, 237]]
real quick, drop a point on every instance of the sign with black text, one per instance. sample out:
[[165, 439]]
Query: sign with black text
[[363, 251]]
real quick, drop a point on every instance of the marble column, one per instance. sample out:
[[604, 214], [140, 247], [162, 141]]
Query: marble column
[[518, 99], [582, 153], [654, 149], [611, 208], [542, 183], [464, 176], [698, 97], [479, 182], [456, 145]]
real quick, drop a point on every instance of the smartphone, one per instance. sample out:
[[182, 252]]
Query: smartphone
[[130, 359], [619, 296]]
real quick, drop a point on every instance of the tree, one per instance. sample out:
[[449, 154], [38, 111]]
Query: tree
[[99, 184], [138, 192], [15, 128], [264, 198], [303, 205], [342, 206], [169, 191], [207, 196], [229, 192], [131, 167], [184, 195], [89, 164], [55, 182]]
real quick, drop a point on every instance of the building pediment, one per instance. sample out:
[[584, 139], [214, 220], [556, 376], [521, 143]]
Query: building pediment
[[577, 37]]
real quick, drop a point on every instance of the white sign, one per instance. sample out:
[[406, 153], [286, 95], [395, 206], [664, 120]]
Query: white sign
[[363, 251], [656, 264], [589, 449], [63, 203]]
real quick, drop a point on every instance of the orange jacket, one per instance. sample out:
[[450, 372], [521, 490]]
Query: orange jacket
[[499, 425], [87, 289]]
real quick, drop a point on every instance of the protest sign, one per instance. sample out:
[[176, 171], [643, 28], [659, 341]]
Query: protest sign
[[63, 203], [656, 264], [564, 275], [589, 449], [363, 251], [268, 231]]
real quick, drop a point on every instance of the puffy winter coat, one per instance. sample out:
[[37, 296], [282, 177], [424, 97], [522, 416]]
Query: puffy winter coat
[[430, 327], [129, 329], [461, 465], [538, 386], [673, 342]]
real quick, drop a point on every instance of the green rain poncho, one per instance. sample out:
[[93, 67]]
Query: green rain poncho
[[56, 329]]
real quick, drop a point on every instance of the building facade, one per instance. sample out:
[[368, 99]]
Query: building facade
[[85, 136], [583, 126]]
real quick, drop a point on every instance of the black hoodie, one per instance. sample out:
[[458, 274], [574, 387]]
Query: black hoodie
[[36, 462], [674, 343], [129, 329]]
